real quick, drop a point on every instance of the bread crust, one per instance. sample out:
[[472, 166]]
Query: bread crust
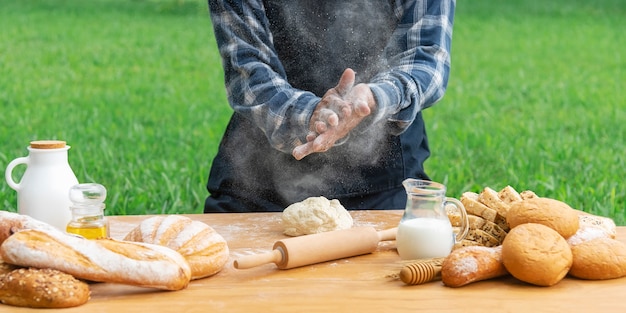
[[11, 223], [42, 288], [471, 264], [536, 254], [549, 212], [599, 258], [103, 260], [205, 250]]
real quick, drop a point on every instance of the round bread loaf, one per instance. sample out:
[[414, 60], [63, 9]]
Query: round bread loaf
[[206, 251], [549, 212], [599, 258], [536, 254], [42, 288]]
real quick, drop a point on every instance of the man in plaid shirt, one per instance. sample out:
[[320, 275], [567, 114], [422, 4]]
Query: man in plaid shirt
[[327, 99]]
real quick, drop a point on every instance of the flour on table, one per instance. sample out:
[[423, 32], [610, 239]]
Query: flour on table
[[315, 215]]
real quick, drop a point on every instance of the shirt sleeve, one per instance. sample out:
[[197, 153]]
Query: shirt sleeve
[[256, 84], [418, 57]]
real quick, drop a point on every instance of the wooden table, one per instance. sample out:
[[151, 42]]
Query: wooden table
[[358, 284]]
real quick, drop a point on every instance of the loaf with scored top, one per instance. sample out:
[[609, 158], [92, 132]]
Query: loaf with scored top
[[102, 260], [206, 251]]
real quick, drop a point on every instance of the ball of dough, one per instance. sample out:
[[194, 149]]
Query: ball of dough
[[536, 254], [315, 215], [549, 212], [599, 258]]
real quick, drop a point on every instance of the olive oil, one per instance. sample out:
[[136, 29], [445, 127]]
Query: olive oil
[[87, 209], [88, 231]]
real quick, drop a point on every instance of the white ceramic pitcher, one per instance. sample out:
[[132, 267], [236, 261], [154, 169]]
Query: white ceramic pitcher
[[43, 191]]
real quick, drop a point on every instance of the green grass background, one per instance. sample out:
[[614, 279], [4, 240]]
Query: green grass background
[[535, 99]]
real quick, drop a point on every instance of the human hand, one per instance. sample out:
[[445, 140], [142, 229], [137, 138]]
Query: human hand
[[341, 109]]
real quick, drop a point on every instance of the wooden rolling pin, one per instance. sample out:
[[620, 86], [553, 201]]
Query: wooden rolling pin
[[321, 247]]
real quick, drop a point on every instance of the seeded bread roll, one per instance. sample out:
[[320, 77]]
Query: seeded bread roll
[[206, 251], [42, 288], [536, 254], [600, 258], [6, 267], [549, 212]]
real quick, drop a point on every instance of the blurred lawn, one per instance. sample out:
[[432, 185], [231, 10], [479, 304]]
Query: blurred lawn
[[535, 99]]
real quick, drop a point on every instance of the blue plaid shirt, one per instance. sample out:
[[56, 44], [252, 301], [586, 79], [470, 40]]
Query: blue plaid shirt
[[257, 87]]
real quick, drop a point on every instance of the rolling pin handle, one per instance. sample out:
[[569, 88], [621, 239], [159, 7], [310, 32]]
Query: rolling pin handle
[[388, 234], [250, 261]]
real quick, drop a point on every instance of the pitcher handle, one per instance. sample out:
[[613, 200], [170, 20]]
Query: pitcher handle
[[464, 229], [8, 173]]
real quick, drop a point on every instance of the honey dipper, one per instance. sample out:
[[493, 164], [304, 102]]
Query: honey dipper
[[421, 271], [310, 249]]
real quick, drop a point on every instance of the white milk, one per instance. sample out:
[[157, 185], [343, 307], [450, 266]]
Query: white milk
[[420, 238]]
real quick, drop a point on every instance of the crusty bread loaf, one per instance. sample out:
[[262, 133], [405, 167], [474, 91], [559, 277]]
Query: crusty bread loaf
[[601, 222], [103, 260], [42, 288], [599, 258], [471, 264], [13, 222], [549, 212], [536, 254], [206, 251]]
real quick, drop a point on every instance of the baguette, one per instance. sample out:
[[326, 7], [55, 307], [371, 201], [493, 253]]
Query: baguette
[[103, 260], [471, 264], [13, 222]]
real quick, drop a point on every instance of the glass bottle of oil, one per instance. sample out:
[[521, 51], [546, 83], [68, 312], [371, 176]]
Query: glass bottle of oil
[[87, 208]]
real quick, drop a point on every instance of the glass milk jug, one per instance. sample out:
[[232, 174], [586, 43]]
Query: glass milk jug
[[42, 192], [425, 230]]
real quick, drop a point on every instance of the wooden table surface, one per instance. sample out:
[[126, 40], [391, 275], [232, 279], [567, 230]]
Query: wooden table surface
[[359, 284]]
